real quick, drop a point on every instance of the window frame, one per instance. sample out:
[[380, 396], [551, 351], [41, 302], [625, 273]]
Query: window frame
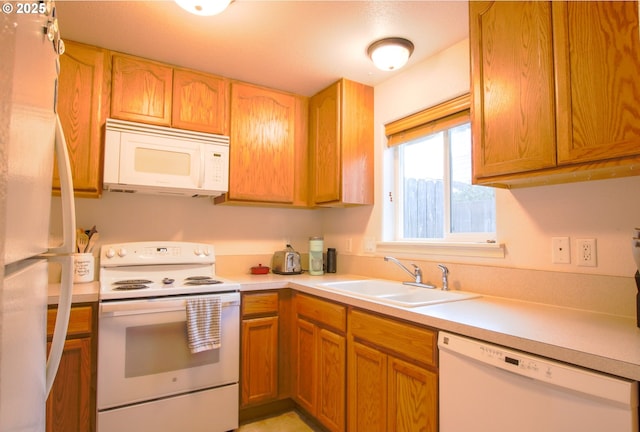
[[442, 116]]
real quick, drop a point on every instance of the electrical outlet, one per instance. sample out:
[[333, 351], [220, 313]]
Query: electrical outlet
[[560, 250], [348, 247], [586, 252]]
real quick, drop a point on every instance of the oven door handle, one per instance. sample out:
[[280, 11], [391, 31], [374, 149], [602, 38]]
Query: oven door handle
[[138, 308]]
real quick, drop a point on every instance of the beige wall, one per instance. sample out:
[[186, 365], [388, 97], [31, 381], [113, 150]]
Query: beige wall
[[233, 230], [527, 219]]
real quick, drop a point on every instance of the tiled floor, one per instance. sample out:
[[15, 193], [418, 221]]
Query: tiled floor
[[288, 422]]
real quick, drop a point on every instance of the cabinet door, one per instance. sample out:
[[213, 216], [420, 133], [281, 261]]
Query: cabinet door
[[141, 90], [259, 360], [331, 380], [413, 398], [598, 85], [83, 106], [69, 403], [357, 143], [341, 139], [305, 386], [513, 116], [324, 136], [200, 102], [262, 144], [367, 389]]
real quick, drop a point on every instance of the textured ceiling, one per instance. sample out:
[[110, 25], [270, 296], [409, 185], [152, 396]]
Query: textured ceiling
[[297, 46]]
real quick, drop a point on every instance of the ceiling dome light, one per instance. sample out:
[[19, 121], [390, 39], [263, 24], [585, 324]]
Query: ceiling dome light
[[204, 7], [390, 53]]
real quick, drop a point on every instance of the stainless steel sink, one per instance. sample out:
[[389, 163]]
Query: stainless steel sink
[[396, 293]]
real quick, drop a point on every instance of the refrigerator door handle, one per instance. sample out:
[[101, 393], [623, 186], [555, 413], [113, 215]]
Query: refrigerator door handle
[[66, 194], [65, 250], [62, 318]]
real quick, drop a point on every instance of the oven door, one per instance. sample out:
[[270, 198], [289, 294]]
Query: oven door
[[143, 352]]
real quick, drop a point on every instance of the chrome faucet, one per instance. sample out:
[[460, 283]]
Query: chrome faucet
[[445, 277], [416, 274]]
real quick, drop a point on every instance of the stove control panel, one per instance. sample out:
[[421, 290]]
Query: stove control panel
[[156, 253]]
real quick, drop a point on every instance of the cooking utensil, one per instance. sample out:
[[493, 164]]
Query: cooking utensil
[[92, 231], [93, 238], [82, 241]]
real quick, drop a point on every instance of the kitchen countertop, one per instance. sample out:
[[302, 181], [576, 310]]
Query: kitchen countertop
[[82, 293], [597, 341]]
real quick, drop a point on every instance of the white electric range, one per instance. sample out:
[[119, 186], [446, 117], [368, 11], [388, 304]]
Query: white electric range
[[148, 378]]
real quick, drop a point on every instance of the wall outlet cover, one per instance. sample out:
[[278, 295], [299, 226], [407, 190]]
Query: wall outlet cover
[[560, 250]]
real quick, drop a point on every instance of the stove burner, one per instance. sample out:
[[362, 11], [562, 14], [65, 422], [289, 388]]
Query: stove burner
[[129, 287], [133, 282], [206, 281], [197, 278]]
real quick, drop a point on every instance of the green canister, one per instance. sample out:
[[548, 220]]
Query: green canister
[[316, 245]]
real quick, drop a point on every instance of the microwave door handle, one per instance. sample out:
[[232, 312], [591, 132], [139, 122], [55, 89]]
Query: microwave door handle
[[202, 166]]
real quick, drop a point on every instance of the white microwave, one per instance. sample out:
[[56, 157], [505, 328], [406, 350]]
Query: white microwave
[[160, 160]]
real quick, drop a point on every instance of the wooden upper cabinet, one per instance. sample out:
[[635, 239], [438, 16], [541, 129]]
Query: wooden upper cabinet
[[142, 90], [200, 102], [324, 129], [513, 87], [555, 91], [598, 66], [83, 106], [341, 142], [266, 151]]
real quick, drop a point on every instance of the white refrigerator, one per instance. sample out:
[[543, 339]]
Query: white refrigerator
[[30, 133]]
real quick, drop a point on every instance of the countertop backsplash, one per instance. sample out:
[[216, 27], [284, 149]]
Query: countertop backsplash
[[612, 295]]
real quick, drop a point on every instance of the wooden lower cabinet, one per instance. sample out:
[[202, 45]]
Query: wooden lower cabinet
[[320, 358], [71, 405], [348, 369], [331, 372], [393, 380], [259, 362], [412, 395], [367, 388]]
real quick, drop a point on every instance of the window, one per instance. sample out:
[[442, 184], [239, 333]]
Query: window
[[431, 197]]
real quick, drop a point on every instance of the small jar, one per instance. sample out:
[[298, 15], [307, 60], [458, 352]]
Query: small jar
[[331, 260], [316, 244]]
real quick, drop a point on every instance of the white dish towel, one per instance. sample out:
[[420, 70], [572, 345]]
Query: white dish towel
[[203, 323]]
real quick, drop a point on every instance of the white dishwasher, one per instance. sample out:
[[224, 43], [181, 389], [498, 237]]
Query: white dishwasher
[[486, 387]]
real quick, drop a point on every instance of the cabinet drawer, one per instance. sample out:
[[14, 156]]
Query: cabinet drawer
[[416, 343], [80, 320], [260, 303], [323, 312]]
